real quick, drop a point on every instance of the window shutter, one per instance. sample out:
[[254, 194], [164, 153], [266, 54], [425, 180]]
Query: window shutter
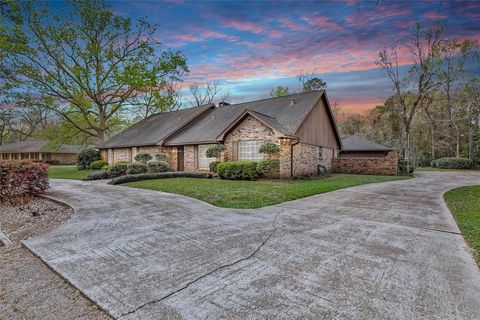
[[195, 157], [235, 151]]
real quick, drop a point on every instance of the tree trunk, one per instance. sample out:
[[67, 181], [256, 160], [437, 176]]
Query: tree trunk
[[432, 128]]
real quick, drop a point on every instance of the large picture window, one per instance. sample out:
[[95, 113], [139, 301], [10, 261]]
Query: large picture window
[[248, 150], [203, 160]]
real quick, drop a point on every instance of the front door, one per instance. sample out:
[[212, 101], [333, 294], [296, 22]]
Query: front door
[[180, 162]]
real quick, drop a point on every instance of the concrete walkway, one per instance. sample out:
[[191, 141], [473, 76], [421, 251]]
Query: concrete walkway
[[379, 251]]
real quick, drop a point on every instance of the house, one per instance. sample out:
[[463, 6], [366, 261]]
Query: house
[[301, 124], [39, 151], [362, 156]]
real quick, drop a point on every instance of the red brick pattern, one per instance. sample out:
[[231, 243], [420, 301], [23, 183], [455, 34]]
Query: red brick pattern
[[382, 166]]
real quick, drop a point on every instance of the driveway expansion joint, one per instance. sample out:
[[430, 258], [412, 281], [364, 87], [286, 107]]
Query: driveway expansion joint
[[263, 243]]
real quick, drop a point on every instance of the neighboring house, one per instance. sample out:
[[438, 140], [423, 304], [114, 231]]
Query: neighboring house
[[39, 151], [301, 124], [362, 156]]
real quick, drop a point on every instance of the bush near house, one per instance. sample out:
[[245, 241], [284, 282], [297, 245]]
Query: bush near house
[[402, 168], [238, 170], [143, 157], [215, 151], [135, 168], [97, 176], [269, 148], [265, 167], [162, 175], [158, 166], [161, 156], [86, 157], [20, 178], [213, 166], [118, 169], [452, 163], [98, 164]]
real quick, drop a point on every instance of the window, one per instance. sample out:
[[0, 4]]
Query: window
[[203, 160], [248, 150]]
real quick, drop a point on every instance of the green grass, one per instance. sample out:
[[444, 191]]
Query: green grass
[[67, 172], [255, 194], [464, 203], [440, 169]]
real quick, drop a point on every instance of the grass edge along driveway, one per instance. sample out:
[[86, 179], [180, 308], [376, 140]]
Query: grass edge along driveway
[[256, 194], [67, 172], [464, 204]]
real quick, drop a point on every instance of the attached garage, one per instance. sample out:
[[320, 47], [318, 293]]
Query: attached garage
[[362, 156]]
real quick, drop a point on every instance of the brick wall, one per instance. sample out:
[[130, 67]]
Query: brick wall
[[121, 154], [307, 157], [381, 166], [189, 158]]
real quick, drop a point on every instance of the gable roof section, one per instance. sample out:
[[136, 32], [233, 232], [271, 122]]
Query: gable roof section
[[356, 143], [37, 146], [155, 128], [278, 113]]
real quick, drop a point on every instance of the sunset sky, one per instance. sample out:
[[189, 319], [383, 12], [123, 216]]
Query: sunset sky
[[253, 46]]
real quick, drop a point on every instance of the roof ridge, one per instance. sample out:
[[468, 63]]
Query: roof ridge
[[271, 98]]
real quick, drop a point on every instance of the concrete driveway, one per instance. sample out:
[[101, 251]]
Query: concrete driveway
[[379, 251]]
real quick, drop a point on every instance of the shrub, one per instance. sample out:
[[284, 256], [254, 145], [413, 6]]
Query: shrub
[[402, 167], [158, 166], [20, 178], [134, 168], [453, 163], [52, 162], [143, 157], [162, 175], [215, 151], [161, 156], [425, 162], [265, 167], [97, 176], [98, 164], [213, 166], [433, 163], [85, 157], [269, 148], [118, 169], [240, 170]]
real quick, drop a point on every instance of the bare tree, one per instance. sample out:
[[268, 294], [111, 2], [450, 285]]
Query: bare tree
[[209, 92], [424, 49]]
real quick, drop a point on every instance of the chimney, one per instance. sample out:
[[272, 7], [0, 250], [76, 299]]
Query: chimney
[[292, 102], [223, 104]]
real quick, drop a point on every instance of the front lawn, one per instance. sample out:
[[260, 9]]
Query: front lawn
[[464, 203], [255, 194], [67, 172]]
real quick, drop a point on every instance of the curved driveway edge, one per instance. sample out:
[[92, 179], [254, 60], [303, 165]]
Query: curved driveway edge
[[378, 251]]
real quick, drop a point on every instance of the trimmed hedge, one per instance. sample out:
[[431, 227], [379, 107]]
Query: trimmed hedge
[[162, 175], [118, 169], [85, 157], [158, 166], [453, 163], [135, 168], [239, 170], [97, 176], [213, 166], [20, 178], [268, 166], [98, 164]]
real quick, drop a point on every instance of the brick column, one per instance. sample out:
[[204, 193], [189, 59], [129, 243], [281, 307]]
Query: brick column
[[285, 148]]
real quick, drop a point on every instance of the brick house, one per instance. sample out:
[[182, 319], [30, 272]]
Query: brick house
[[362, 156], [39, 151], [301, 124]]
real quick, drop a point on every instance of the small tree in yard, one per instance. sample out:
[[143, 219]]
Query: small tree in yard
[[86, 157], [215, 151], [143, 157]]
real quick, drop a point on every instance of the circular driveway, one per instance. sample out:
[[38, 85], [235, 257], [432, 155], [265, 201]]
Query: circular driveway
[[380, 251]]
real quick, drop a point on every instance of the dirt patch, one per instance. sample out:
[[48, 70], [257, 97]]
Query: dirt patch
[[28, 288]]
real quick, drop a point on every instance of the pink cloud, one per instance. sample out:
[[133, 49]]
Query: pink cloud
[[251, 27], [323, 22]]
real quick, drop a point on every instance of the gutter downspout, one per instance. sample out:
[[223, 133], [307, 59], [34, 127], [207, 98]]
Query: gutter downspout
[[291, 157]]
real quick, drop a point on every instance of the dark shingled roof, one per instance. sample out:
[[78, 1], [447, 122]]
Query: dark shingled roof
[[277, 112], [153, 129], [356, 143], [37, 146]]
